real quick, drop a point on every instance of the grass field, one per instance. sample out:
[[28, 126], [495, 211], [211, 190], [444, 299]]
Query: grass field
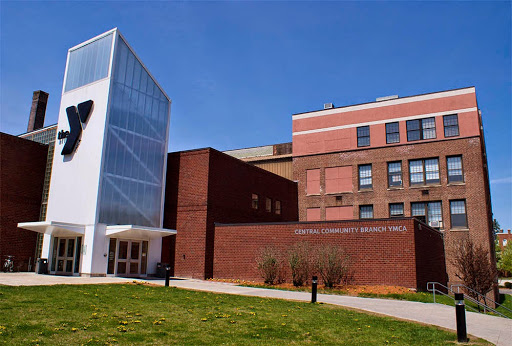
[[129, 314]]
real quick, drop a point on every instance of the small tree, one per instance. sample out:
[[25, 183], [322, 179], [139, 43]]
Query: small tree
[[505, 261], [474, 268], [299, 259], [332, 263], [269, 263]]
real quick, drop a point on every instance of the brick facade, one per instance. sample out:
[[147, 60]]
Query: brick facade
[[385, 256], [22, 171], [206, 186], [504, 238]]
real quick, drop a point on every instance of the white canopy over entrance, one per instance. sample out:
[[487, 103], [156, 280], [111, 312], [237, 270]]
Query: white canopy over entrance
[[137, 232], [54, 228]]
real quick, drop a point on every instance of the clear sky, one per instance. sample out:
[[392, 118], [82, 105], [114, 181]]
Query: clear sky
[[237, 71]]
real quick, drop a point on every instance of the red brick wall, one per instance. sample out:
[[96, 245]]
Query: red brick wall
[[22, 169], [206, 186], [473, 190], [430, 256], [378, 258]]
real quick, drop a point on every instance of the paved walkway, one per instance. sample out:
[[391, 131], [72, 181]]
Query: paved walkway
[[494, 329]]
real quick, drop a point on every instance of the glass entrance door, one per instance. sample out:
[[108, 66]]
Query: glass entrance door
[[128, 258], [65, 256]]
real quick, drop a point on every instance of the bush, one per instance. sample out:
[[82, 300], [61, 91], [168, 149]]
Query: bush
[[270, 265], [505, 261], [508, 284], [299, 259], [333, 264]]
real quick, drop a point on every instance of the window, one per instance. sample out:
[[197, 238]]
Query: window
[[268, 205], [454, 164], [396, 209], [313, 214], [421, 129], [313, 181], [255, 199], [458, 214], [338, 179], [451, 125], [365, 177], [504, 242], [363, 136], [428, 212], [395, 174], [392, 133], [277, 207], [425, 171], [366, 211]]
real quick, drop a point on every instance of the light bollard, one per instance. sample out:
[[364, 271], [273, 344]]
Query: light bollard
[[314, 284], [460, 313], [167, 275]]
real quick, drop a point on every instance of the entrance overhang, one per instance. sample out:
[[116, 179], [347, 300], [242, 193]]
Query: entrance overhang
[[138, 232], [54, 228]]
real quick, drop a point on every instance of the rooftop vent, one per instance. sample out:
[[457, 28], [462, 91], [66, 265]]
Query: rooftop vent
[[385, 98], [328, 105]]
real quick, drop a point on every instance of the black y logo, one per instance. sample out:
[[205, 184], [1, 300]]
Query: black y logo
[[76, 118]]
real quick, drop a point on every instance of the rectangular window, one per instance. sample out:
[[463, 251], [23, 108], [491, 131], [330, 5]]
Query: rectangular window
[[458, 214], [268, 205], [455, 173], [395, 174], [255, 201], [277, 208], [428, 212], [365, 177], [392, 133], [396, 209], [421, 129], [425, 171], [366, 211], [313, 181], [313, 214], [363, 136], [451, 125]]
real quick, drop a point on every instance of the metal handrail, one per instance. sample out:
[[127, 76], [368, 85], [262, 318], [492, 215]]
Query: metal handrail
[[485, 299], [431, 287]]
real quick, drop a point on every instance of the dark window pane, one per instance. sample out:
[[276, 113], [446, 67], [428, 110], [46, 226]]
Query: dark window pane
[[451, 125], [395, 173], [363, 136], [458, 213], [366, 211], [413, 125], [396, 209], [455, 173]]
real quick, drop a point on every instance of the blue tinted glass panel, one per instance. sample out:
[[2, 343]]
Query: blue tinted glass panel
[[136, 145], [89, 63]]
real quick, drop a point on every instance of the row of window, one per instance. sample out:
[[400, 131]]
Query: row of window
[[268, 204], [428, 212], [421, 172], [416, 130]]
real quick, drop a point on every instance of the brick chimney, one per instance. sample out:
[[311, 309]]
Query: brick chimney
[[38, 110]]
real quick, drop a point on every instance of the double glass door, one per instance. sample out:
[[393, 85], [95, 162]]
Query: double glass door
[[127, 257], [66, 255]]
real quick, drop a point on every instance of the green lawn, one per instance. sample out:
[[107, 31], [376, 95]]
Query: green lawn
[[129, 314]]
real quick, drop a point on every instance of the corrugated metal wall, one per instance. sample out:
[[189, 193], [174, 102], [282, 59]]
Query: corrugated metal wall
[[282, 167]]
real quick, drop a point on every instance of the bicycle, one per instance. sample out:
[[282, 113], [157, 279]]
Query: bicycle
[[8, 264]]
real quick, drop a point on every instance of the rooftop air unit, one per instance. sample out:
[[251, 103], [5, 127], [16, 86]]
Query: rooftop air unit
[[328, 105]]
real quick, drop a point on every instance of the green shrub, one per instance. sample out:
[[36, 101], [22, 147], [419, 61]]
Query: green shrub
[[299, 259], [333, 264], [270, 265], [508, 284]]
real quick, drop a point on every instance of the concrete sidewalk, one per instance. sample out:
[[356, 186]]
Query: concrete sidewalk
[[494, 329]]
